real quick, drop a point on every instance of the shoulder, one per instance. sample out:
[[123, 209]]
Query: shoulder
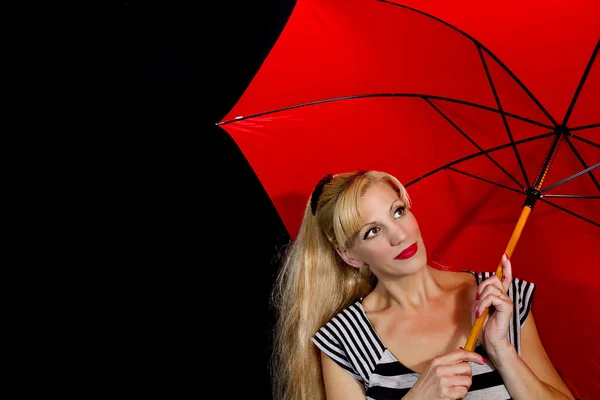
[[481, 276], [517, 283], [454, 279], [349, 329], [478, 276], [350, 341], [351, 317]]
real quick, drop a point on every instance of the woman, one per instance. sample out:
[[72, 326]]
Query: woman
[[362, 314]]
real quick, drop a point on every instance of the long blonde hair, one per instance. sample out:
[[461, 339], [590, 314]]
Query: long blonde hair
[[314, 283]]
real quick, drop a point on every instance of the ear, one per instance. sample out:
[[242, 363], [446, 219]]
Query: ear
[[349, 257]]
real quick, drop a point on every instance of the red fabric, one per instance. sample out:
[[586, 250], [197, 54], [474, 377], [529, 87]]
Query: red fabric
[[339, 49]]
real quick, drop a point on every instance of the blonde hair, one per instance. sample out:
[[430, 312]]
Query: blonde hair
[[314, 283]]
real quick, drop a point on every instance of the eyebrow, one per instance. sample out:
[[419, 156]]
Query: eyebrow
[[374, 222]]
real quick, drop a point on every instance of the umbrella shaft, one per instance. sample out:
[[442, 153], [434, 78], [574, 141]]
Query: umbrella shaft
[[549, 159], [478, 324]]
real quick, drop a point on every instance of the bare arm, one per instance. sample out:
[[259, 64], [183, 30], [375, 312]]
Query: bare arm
[[339, 384], [531, 376]]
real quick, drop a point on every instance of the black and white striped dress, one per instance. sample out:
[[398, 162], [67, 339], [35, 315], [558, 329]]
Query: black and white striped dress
[[350, 340]]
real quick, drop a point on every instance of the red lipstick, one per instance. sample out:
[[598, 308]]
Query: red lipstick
[[407, 252]]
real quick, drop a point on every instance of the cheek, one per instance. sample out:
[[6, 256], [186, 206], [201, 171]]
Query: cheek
[[414, 227], [373, 251], [381, 250]]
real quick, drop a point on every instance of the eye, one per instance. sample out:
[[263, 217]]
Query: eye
[[400, 211], [371, 232]]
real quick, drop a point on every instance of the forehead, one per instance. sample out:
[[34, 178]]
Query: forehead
[[379, 195]]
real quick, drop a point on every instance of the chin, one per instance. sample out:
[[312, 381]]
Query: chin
[[419, 259], [414, 264]]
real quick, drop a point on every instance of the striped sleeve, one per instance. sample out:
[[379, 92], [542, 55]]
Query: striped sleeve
[[349, 340], [328, 340], [525, 291], [521, 293]]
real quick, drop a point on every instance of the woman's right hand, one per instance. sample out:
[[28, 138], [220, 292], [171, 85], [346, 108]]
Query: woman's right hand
[[446, 377]]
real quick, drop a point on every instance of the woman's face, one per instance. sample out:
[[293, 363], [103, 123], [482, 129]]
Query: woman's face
[[389, 241]]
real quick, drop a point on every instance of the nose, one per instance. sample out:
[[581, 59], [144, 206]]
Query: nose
[[397, 235]]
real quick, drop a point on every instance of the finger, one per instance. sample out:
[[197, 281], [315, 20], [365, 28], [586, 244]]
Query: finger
[[461, 368], [494, 290], [502, 304], [459, 355], [493, 281], [480, 338], [456, 380], [456, 384], [490, 290], [457, 392], [460, 380], [506, 272]]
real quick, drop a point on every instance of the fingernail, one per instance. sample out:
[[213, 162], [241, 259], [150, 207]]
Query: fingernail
[[477, 314], [484, 360], [477, 296]]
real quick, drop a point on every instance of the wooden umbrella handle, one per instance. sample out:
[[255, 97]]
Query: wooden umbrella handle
[[478, 324]]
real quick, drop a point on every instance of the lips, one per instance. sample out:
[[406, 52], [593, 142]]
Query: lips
[[407, 252]]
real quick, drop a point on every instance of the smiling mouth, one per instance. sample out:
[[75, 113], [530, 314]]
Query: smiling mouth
[[407, 253]]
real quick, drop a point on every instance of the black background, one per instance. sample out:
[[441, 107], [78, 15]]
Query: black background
[[194, 312], [172, 239], [186, 238]]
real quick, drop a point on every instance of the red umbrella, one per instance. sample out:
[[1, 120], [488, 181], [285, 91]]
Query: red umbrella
[[477, 109]]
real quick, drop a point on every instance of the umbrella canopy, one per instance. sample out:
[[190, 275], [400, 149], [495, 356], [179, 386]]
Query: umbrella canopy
[[471, 106]]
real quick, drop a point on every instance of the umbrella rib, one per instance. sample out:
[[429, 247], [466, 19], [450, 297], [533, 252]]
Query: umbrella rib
[[484, 180], [545, 135], [570, 177], [506, 126], [578, 128], [492, 110], [570, 196], [476, 145], [581, 83], [570, 212], [479, 45], [586, 141], [583, 163], [362, 96]]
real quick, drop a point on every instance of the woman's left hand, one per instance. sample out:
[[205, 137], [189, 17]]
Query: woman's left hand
[[494, 292]]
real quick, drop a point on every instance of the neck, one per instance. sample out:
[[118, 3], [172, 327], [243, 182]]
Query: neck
[[413, 292]]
